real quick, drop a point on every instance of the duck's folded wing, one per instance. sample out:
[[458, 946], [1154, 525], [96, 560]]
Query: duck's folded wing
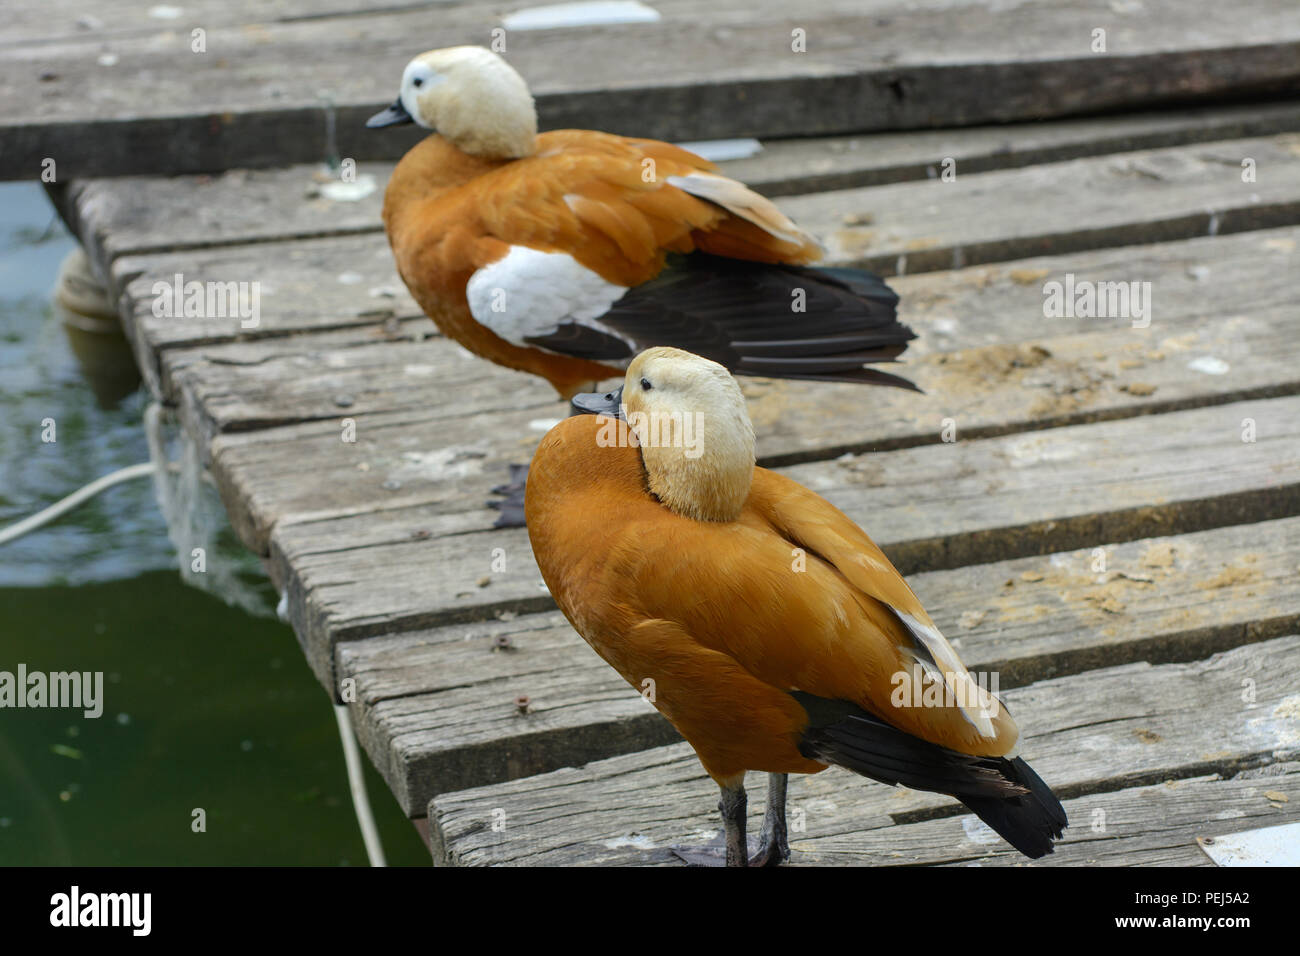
[[591, 253], [619, 206], [805, 601], [743, 224], [817, 526]]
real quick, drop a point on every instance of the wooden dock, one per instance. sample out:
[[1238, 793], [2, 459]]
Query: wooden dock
[[1115, 529]]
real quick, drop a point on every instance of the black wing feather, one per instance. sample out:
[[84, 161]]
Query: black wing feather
[[584, 342], [741, 314]]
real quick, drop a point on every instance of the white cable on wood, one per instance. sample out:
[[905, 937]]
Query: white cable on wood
[[357, 783]]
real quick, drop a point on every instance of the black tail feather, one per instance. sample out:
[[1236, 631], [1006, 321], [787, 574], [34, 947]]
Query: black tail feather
[[1029, 821], [1005, 793]]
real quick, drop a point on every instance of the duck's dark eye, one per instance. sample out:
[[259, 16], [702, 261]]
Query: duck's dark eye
[[645, 384], [418, 81]]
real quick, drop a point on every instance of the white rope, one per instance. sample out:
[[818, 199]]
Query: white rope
[[158, 469], [157, 466], [46, 515], [357, 783]]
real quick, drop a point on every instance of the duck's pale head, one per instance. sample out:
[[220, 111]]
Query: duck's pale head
[[472, 97], [696, 440]]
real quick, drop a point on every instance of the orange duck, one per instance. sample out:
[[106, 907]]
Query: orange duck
[[777, 635], [565, 254]]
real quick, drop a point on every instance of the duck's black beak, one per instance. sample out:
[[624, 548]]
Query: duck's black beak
[[395, 115], [597, 403]]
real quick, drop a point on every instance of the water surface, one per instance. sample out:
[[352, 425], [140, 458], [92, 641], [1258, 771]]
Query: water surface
[[206, 706]]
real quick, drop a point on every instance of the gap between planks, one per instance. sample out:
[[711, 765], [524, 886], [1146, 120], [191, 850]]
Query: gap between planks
[[139, 215], [930, 507], [1222, 300], [1143, 197]]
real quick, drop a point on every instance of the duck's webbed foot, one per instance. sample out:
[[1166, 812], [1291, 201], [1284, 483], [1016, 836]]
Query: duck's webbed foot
[[731, 847], [713, 853], [511, 502]]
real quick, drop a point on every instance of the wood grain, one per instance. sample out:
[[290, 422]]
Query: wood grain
[[265, 93], [1098, 732], [1157, 825]]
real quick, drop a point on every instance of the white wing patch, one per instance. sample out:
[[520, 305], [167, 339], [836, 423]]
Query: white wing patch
[[527, 293]]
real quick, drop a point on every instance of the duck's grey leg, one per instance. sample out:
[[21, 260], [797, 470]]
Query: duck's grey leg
[[733, 805], [773, 849]]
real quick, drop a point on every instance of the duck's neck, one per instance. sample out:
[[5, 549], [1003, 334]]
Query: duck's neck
[[699, 466], [433, 166]]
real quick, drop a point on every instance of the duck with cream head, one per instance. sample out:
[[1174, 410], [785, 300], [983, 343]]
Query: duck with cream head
[[565, 254], [776, 634]]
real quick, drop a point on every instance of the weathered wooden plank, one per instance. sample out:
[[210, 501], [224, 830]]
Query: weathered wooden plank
[[394, 365], [256, 96], [1054, 208], [1157, 825], [436, 709], [932, 507], [253, 383], [138, 215], [321, 284], [800, 166], [1096, 732], [132, 215], [1061, 207], [51, 21], [1221, 299], [457, 721]]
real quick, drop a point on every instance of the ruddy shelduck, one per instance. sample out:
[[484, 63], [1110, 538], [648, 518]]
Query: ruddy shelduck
[[774, 632], [565, 254]]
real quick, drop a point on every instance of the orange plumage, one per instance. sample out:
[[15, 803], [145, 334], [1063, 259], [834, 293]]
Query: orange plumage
[[448, 214], [714, 613], [609, 212]]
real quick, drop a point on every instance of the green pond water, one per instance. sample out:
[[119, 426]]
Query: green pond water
[[205, 706]]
